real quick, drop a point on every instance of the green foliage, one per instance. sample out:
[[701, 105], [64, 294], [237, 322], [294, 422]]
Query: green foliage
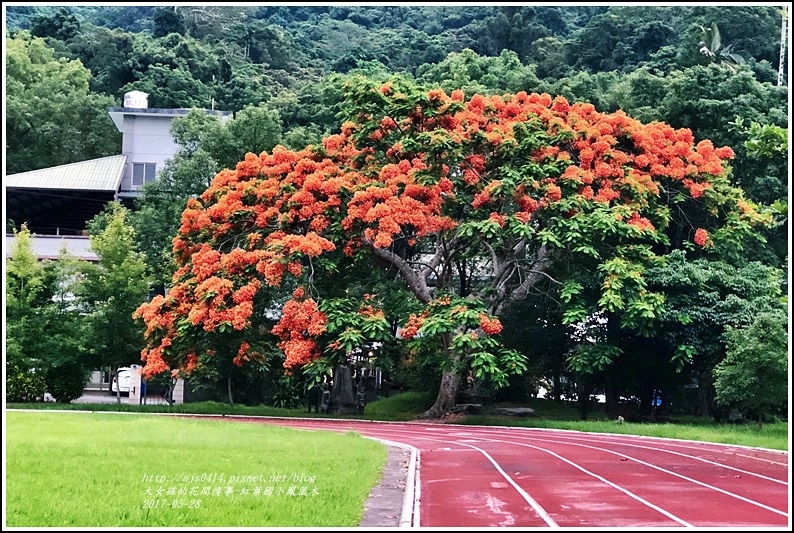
[[400, 406], [474, 74], [286, 393], [62, 26], [752, 30], [112, 289], [44, 329], [623, 37], [754, 374], [712, 47], [66, 382], [167, 20], [52, 118], [591, 357], [24, 386]]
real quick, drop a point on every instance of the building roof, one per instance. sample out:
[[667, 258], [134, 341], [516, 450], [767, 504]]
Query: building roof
[[117, 113], [49, 246], [103, 174]]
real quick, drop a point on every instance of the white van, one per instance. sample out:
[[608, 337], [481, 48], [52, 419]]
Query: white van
[[121, 382]]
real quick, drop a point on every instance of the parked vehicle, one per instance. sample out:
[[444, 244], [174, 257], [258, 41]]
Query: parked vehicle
[[121, 381]]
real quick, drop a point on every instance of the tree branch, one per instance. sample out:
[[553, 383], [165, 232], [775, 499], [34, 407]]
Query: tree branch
[[542, 262], [416, 283]]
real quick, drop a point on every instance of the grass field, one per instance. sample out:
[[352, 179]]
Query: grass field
[[105, 470]]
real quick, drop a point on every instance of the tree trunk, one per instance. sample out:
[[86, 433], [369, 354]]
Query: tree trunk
[[705, 404], [447, 394], [583, 397], [612, 405], [118, 386], [229, 389]]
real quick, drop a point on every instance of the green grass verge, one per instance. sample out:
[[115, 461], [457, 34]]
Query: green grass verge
[[201, 408], [104, 470], [773, 436], [404, 406]]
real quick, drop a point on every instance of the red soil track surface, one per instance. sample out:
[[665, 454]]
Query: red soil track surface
[[476, 476]]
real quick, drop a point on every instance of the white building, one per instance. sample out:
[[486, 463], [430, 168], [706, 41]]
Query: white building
[[59, 201]]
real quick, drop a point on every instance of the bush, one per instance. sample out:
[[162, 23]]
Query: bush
[[403, 406], [67, 382], [416, 377], [23, 386]]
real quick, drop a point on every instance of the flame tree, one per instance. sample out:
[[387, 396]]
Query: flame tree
[[469, 201]]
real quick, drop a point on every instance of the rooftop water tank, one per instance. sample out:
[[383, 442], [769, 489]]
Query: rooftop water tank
[[136, 99]]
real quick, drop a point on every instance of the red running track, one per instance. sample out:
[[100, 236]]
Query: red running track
[[475, 476]]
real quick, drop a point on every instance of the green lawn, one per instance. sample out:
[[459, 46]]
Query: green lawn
[[773, 436], [105, 470]]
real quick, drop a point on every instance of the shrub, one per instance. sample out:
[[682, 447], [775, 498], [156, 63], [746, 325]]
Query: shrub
[[22, 385], [66, 382]]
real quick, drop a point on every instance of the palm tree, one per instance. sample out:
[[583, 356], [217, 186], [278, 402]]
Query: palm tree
[[711, 47]]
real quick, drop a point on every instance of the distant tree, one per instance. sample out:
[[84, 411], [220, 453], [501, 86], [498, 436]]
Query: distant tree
[[107, 54], [752, 30], [472, 73], [45, 333], [25, 294], [712, 47], [754, 374], [52, 118], [548, 56], [110, 290], [168, 20], [62, 26]]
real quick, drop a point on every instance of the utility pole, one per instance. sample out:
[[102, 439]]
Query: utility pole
[[784, 20]]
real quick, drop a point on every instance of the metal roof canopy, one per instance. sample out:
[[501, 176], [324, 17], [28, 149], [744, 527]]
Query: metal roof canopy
[[59, 200], [103, 174]]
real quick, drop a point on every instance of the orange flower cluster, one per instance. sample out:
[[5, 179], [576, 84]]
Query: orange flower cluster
[[245, 354], [640, 222], [490, 325], [300, 323], [702, 237], [414, 323]]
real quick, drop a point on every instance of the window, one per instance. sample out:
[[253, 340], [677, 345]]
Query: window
[[142, 173]]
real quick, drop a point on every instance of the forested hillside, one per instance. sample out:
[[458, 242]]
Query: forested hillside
[[290, 56], [288, 72]]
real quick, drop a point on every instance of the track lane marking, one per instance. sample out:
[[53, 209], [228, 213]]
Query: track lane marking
[[543, 438], [406, 428], [686, 478], [529, 498]]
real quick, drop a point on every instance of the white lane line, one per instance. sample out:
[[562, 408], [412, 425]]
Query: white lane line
[[682, 443], [549, 520], [603, 480], [676, 474], [760, 459], [693, 457], [617, 440], [530, 500]]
